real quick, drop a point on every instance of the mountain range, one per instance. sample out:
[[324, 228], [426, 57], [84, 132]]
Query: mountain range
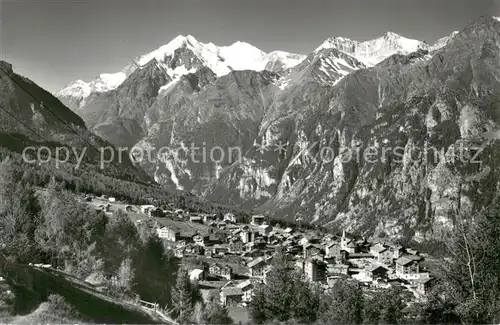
[[283, 111]]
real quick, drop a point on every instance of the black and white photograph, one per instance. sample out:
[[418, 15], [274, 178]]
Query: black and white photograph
[[271, 162]]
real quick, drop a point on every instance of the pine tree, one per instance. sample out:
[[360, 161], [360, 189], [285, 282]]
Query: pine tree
[[215, 313], [125, 276], [182, 297], [343, 304], [285, 296], [472, 277]]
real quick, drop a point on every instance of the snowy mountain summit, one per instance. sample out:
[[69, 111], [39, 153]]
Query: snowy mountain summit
[[183, 55], [374, 51]]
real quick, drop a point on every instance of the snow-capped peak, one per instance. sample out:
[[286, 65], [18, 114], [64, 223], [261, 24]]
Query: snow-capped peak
[[242, 56], [167, 49], [442, 42], [220, 59], [280, 60], [374, 51]]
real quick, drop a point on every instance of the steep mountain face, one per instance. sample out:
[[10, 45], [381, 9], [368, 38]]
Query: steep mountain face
[[442, 42], [76, 93], [22, 101], [205, 123], [118, 115], [31, 116], [404, 106], [374, 51]]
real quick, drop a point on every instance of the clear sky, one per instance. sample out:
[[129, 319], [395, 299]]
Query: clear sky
[[54, 42]]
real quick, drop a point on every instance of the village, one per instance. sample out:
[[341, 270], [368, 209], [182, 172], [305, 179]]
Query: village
[[227, 258]]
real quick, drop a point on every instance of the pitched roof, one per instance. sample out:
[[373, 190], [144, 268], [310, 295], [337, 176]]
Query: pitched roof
[[379, 248], [245, 284], [403, 261], [375, 267], [423, 280], [256, 262], [331, 244], [195, 273], [232, 291], [351, 244]]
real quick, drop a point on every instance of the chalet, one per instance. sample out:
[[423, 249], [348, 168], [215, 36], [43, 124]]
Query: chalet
[[222, 271], [382, 254], [314, 270], [412, 251], [179, 252], [230, 217], [217, 238], [311, 250], [156, 213], [257, 267], [338, 269], [247, 289], [397, 251], [207, 218], [304, 241], [105, 207], [221, 225], [423, 285], [258, 220], [332, 249], [195, 250], [200, 239], [260, 243], [195, 219], [247, 236], [220, 250], [295, 250], [231, 296], [265, 230], [169, 234], [169, 213], [376, 272], [145, 208], [236, 246], [197, 275], [314, 239], [407, 268]]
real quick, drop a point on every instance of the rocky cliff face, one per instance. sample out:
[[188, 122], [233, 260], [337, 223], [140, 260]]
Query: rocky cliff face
[[404, 105], [31, 116], [390, 114], [332, 139]]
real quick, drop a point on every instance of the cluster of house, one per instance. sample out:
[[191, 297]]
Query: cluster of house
[[374, 264], [322, 258]]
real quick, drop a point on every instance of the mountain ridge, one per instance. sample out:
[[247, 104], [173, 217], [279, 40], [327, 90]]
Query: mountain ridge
[[442, 95]]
